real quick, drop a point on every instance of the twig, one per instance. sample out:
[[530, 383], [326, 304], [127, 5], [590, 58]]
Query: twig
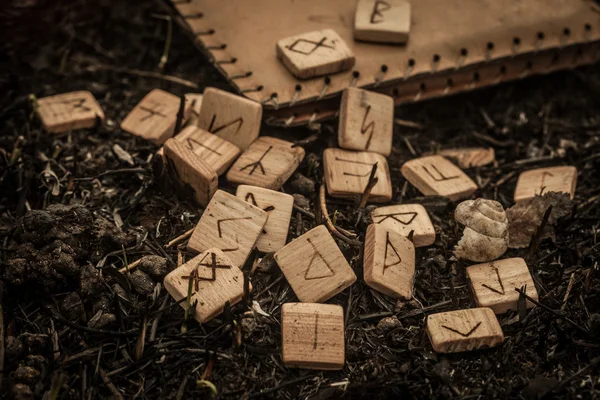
[[180, 115], [268, 287], [370, 185], [130, 267], [113, 171], [568, 292], [1, 343], [180, 238], [537, 237], [144, 74], [408, 124], [304, 212], [338, 233], [111, 386]]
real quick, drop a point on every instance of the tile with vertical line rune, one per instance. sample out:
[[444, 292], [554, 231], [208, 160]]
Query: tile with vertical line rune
[[69, 111], [155, 116], [234, 118], [192, 170], [268, 163], [366, 121], [314, 266], [464, 330], [279, 207], [494, 283], [382, 21], [435, 175], [229, 224], [406, 218], [544, 180], [469, 157], [389, 262], [312, 336], [347, 174], [214, 281]]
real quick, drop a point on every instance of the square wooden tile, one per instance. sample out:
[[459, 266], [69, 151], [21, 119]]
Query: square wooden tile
[[312, 336], [347, 174], [464, 330], [215, 151], [214, 282], [389, 262], [230, 224], [155, 116], [544, 180], [315, 53], [383, 21], [191, 170], [234, 118], [470, 157], [435, 175], [268, 163], [494, 283], [404, 218], [366, 121], [279, 206], [314, 266], [69, 111]]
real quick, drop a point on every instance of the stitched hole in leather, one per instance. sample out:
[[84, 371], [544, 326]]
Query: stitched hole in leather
[[422, 87], [327, 80], [529, 64], [450, 82], [588, 27], [259, 88], [555, 59], [384, 68], [476, 77], [298, 87], [395, 92], [516, 41], [490, 45], [355, 74], [436, 58], [502, 69], [274, 95], [540, 35], [566, 31], [464, 52], [411, 62]]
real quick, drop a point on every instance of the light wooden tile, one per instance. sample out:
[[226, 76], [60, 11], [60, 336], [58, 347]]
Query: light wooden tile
[[191, 170], [230, 224], [154, 117], [347, 174], [494, 283], [314, 266], [470, 157], [464, 330], [215, 151], [404, 218], [279, 206], [195, 100], [234, 118], [315, 53], [366, 121], [383, 21], [69, 111], [268, 163], [214, 282], [389, 262], [544, 180], [312, 336], [435, 175]]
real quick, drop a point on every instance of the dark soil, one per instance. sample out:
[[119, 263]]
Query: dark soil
[[74, 327]]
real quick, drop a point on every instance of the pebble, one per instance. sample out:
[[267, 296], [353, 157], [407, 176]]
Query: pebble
[[301, 184], [155, 266], [25, 374], [141, 282], [388, 323]]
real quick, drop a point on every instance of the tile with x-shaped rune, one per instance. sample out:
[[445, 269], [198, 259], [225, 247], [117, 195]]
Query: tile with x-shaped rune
[[69, 111], [404, 219], [211, 280], [154, 117], [268, 163]]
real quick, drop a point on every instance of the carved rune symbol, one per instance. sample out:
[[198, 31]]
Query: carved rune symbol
[[257, 164], [214, 129], [501, 291], [378, 7], [77, 104], [151, 113], [250, 196], [461, 333], [310, 274], [395, 217], [356, 162], [394, 255], [220, 230], [191, 142], [542, 186], [316, 330], [439, 177], [213, 265], [299, 46], [367, 127]]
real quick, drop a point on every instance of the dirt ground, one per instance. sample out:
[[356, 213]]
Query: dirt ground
[[72, 213]]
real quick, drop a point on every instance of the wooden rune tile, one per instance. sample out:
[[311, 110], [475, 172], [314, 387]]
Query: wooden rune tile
[[69, 111], [215, 151], [435, 175], [464, 330], [315, 53], [494, 283], [470, 157], [155, 116], [543, 180], [214, 280], [383, 21], [195, 100], [404, 218], [229, 224], [347, 174], [366, 121], [268, 163], [312, 336], [389, 262], [234, 118], [314, 266], [191, 170], [279, 206]]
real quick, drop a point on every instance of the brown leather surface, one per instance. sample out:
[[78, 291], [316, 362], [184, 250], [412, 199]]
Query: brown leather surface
[[528, 37]]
